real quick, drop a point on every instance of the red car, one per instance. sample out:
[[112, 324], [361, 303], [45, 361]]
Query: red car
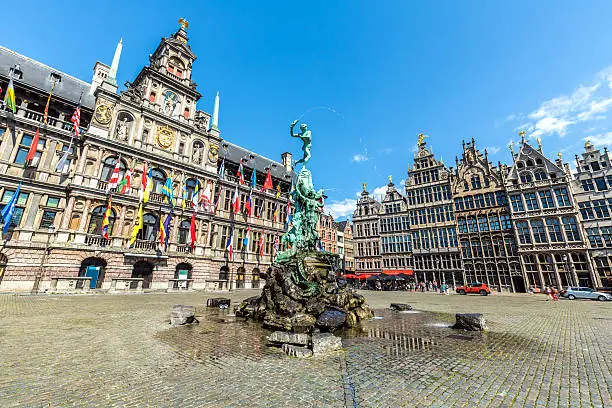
[[476, 287]]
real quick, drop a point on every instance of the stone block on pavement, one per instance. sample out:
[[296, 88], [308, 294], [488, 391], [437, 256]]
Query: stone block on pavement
[[325, 342], [470, 321], [182, 314], [283, 337]]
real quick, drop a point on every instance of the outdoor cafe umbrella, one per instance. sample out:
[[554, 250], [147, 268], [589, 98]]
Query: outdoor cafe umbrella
[[373, 278]]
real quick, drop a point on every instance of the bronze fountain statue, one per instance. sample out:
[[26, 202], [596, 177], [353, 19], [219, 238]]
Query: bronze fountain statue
[[301, 293]]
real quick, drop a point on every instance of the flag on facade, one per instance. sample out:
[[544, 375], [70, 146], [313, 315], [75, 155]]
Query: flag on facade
[[240, 174], [217, 200], [9, 98], [236, 201], [230, 246], [254, 178], [137, 227], [147, 183], [61, 164], [288, 214], [164, 229], [206, 198], [245, 241], [46, 111], [184, 195], [9, 209], [192, 230], [162, 232], [76, 119], [114, 180], [261, 245], [126, 183], [106, 220], [276, 244], [278, 191], [248, 205], [268, 183], [195, 198], [222, 170], [168, 190], [292, 189], [33, 149], [276, 212]]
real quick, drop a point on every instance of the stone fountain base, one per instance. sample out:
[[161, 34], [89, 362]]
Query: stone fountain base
[[301, 295]]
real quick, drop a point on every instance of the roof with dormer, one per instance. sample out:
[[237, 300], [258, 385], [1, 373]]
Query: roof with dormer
[[37, 75], [528, 154]]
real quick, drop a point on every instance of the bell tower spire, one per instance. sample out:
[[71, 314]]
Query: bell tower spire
[[215, 118], [115, 65]]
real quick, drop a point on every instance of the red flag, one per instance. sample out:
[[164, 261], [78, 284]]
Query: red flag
[[248, 205], [76, 119], [261, 243], [33, 149], [230, 246], [268, 183], [114, 180], [144, 176], [236, 201], [240, 174], [192, 229]]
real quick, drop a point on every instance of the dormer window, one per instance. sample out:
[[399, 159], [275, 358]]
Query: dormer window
[[186, 113], [152, 97], [176, 66]]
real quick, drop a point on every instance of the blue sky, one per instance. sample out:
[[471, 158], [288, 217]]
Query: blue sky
[[367, 76]]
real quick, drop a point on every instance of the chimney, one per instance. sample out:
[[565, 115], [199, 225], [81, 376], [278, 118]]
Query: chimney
[[286, 161]]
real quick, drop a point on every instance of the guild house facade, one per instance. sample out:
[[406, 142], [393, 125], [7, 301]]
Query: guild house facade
[[82, 208]]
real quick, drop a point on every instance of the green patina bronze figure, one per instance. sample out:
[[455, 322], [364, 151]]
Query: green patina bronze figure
[[306, 137]]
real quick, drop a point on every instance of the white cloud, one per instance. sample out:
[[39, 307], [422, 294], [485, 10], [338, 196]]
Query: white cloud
[[602, 139], [493, 149], [379, 191], [558, 115], [341, 209], [359, 158], [511, 117]]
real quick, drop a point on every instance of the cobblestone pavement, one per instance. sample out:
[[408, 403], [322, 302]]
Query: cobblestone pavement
[[119, 351]]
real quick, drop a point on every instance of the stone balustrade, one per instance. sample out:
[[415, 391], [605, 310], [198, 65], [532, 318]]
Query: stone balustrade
[[126, 285], [70, 284]]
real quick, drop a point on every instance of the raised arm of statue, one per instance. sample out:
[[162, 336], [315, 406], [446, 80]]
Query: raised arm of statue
[[291, 129]]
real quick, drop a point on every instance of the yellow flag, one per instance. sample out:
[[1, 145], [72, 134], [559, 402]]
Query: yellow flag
[[137, 227]]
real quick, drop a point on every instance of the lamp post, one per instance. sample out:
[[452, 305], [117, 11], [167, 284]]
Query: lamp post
[[41, 268]]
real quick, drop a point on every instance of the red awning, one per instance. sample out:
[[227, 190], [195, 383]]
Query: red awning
[[350, 276], [399, 271]]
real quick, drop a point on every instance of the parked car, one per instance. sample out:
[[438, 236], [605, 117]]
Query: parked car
[[476, 287], [581, 292]]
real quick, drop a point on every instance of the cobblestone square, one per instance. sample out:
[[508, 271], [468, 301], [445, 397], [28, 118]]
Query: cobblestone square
[[119, 351]]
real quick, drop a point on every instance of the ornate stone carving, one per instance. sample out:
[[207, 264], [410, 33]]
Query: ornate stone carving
[[213, 153], [122, 132], [103, 113], [164, 137]]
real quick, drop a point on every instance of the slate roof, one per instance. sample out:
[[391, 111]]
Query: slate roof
[[38, 76], [235, 153], [341, 225]]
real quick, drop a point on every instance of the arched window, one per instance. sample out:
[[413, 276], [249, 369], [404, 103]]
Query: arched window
[[540, 175], [97, 216], [108, 165], [223, 273], [190, 186], [186, 113], [183, 271], [183, 232], [526, 177], [150, 226], [152, 97], [176, 66], [530, 163], [159, 178]]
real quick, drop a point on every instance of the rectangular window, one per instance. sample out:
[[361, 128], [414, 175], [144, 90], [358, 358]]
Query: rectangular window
[[554, 230], [531, 201], [489, 199], [24, 148], [469, 203], [563, 199], [53, 202], [502, 198], [606, 234], [48, 219], [539, 233], [594, 237], [479, 201], [523, 232], [571, 228], [19, 206], [586, 210], [494, 223], [546, 199], [517, 203], [472, 227], [483, 225], [505, 221], [462, 225], [601, 209], [587, 185], [600, 183]]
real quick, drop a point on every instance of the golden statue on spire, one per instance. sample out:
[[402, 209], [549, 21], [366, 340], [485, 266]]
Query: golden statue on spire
[[390, 179], [364, 186], [421, 139], [588, 144], [560, 156], [539, 142], [184, 23], [522, 134]]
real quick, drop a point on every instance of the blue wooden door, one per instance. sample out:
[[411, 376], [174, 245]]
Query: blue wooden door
[[92, 272]]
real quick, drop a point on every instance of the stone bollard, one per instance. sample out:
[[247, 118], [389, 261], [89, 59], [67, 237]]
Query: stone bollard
[[470, 322], [182, 314]]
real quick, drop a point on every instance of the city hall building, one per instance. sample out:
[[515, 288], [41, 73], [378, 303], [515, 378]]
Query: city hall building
[[153, 127]]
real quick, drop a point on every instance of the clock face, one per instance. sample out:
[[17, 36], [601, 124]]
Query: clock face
[[165, 137], [213, 154], [103, 114]]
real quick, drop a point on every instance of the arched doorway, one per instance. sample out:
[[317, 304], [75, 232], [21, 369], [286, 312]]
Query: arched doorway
[[255, 279], [3, 262], [183, 274], [144, 270], [223, 273], [93, 268], [240, 278]]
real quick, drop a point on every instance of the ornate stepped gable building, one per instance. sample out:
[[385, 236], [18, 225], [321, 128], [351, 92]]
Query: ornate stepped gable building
[[328, 233], [592, 191], [394, 226], [345, 241], [486, 237], [550, 242], [56, 228], [432, 222], [366, 237]]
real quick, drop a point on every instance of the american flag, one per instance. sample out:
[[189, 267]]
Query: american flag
[[76, 119]]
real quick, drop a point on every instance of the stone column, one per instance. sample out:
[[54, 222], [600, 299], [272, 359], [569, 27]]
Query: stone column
[[82, 231], [117, 234], [8, 145], [79, 171], [26, 232]]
